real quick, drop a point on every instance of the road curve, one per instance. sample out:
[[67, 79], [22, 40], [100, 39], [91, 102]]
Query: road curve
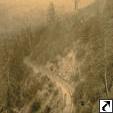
[[59, 82]]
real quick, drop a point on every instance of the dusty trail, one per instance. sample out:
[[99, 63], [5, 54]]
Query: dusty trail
[[60, 83]]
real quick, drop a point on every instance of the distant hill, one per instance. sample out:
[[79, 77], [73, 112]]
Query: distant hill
[[55, 38]]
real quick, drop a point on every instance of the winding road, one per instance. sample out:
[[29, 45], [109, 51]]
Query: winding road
[[61, 84]]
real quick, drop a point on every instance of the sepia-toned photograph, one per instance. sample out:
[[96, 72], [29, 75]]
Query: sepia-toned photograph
[[56, 56]]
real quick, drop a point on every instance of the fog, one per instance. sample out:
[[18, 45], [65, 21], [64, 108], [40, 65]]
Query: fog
[[17, 12]]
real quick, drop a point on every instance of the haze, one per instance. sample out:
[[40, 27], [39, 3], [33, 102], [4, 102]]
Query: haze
[[14, 12], [43, 4]]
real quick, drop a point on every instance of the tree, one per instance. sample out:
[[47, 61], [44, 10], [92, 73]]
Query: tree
[[76, 2], [51, 13]]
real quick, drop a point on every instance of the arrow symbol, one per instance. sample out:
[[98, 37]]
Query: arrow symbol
[[107, 104]]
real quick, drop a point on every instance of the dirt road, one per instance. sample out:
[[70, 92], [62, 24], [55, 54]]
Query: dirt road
[[60, 83]]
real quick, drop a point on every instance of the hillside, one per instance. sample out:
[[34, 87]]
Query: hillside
[[64, 65]]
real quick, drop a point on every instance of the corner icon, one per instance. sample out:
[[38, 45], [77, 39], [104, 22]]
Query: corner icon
[[106, 106]]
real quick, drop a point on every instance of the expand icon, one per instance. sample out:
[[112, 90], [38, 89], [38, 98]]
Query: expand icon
[[106, 106]]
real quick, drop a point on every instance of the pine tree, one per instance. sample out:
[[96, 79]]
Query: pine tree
[[51, 13]]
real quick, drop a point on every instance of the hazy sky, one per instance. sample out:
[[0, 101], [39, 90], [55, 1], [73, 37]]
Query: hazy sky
[[12, 11], [62, 5]]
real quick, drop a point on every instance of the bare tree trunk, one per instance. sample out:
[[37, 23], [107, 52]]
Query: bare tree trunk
[[76, 5], [105, 74]]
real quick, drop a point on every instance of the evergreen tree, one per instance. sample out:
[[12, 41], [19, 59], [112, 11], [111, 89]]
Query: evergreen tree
[[51, 13]]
